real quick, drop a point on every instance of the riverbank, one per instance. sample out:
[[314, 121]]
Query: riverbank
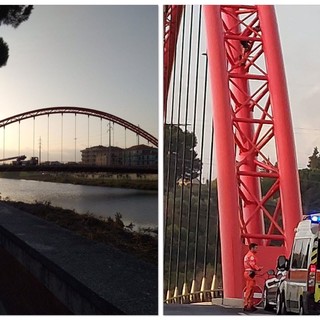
[[110, 230], [139, 182]]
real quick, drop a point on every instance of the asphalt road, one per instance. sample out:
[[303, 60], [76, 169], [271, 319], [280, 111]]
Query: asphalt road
[[209, 309]]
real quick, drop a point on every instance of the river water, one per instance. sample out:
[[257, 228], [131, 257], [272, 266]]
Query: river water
[[137, 206]]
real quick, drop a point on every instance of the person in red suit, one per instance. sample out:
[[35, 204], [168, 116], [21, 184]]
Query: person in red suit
[[250, 269]]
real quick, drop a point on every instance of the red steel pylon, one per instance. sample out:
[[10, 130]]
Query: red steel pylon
[[251, 117]]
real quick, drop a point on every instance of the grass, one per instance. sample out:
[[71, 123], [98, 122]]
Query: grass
[[110, 230], [141, 184]]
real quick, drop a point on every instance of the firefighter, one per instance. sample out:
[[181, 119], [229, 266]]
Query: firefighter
[[250, 269]]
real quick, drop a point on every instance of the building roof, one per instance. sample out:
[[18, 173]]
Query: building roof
[[113, 148], [102, 148], [141, 147], [94, 148]]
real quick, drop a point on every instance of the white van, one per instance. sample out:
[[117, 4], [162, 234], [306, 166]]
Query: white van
[[299, 291]]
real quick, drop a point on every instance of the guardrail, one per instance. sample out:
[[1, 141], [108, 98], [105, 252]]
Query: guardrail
[[198, 296]]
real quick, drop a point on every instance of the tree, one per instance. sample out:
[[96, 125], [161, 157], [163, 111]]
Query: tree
[[14, 16], [175, 142], [310, 189], [4, 53], [314, 159]]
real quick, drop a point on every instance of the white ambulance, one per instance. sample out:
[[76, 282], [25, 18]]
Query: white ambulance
[[299, 291]]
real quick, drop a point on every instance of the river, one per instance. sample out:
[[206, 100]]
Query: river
[[137, 206]]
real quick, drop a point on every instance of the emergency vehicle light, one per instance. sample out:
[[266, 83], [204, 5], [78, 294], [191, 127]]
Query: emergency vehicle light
[[315, 219]]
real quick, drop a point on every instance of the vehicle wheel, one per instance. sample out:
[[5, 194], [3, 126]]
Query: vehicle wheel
[[266, 305], [281, 307]]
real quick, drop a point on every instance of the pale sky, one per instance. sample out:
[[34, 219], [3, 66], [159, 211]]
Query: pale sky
[[99, 57], [106, 58], [299, 28]]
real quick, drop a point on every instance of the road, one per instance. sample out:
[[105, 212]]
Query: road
[[209, 309]]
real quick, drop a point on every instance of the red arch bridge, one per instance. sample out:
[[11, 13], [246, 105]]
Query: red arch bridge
[[72, 166], [224, 85]]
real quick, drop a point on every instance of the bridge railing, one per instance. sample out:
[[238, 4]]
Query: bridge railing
[[198, 296], [81, 168]]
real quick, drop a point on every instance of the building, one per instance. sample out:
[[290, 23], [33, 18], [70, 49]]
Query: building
[[111, 156], [89, 155], [135, 156], [102, 156], [141, 155]]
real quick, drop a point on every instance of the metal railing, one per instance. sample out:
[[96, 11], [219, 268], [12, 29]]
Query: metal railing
[[198, 296]]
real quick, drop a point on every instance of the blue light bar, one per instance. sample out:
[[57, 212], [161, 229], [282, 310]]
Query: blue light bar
[[313, 218]]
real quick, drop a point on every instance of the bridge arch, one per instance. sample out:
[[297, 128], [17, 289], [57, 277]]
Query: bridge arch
[[79, 110]]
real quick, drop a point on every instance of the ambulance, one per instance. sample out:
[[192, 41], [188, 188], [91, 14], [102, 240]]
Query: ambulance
[[299, 291]]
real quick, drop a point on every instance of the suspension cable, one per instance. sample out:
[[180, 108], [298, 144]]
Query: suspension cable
[[19, 139], [88, 130], [185, 138], [34, 137], [61, 137], [4, 142], [75, 137], [48, 138], [200, 178], [168, 178], [178, 141], [192, 144], [205, 259]]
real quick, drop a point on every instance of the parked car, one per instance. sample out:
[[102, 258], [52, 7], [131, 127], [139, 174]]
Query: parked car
[[271, 287]]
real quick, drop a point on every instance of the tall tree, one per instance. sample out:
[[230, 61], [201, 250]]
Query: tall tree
[[13, 16], [185, 163]]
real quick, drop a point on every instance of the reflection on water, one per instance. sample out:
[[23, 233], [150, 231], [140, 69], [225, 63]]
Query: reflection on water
[[136, 206]]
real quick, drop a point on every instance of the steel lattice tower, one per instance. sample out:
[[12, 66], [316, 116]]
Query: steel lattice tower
[[251, 114]]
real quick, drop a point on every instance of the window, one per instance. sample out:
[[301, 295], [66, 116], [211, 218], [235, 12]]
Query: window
[[300, 254], [305, 256]]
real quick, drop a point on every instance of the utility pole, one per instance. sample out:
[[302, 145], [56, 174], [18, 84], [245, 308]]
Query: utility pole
[[109, 130]]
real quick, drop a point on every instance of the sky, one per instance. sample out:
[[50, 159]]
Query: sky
[[99, 57], [106, 58], [299, 28]]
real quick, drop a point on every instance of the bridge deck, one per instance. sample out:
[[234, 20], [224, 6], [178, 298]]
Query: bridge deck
[[80, 168], [114, 281]]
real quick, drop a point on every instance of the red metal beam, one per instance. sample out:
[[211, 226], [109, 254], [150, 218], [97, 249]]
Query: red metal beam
[[244, 52], [228, 192], [85, 111]]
